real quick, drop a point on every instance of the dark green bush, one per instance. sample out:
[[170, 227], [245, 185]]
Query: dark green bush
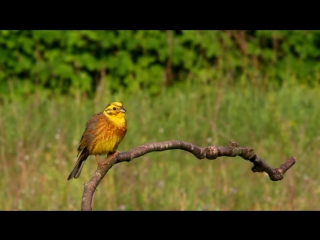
[[70, 62]]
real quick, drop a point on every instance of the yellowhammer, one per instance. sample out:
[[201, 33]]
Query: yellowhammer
[[103, 133]]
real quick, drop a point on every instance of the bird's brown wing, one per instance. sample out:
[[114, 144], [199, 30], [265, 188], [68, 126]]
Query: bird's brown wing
[[88, 136], [85, 145]]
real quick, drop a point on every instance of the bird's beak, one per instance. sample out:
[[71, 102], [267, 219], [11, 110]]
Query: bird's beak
[[123, 110]]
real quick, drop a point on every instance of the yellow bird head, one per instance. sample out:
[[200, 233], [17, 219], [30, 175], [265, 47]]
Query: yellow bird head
[[114, 110]]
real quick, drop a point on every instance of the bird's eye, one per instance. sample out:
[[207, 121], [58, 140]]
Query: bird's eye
[[114, 108]]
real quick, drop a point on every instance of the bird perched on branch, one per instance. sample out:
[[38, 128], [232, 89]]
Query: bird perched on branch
[[104, 132]]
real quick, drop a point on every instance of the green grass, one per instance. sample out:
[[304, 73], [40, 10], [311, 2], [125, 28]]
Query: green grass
[[39, 140]]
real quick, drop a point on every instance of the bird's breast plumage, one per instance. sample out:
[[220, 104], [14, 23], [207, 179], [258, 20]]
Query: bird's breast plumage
[[103, 135]]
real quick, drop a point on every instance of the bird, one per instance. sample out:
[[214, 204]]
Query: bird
[[103, 133]]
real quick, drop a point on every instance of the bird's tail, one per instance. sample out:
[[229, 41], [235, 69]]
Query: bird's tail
[[83, 155]]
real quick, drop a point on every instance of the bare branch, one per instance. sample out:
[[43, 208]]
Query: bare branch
[[212, 152]]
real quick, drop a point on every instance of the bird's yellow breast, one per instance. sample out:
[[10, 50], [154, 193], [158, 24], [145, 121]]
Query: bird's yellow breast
[[108, 135], [107, 143]]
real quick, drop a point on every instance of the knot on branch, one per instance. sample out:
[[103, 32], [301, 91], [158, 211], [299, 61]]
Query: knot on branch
[[235, 149], [274, 174], [247, 153], [277, 174], [211, 152]]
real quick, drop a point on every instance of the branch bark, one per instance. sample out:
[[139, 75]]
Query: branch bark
[[212, 152]]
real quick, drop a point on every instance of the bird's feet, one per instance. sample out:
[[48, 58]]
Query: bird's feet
[[104, 164]]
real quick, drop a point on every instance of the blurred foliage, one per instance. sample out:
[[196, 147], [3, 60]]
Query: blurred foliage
[[75, 62]]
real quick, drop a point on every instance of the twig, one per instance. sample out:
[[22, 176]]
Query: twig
[[212, 152]]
